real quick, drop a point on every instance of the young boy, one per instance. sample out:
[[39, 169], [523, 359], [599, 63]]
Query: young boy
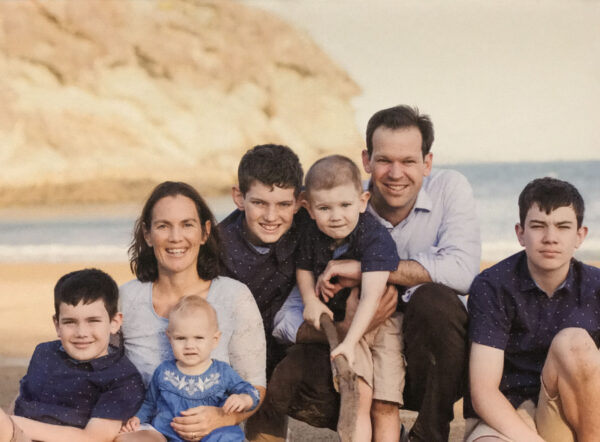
[[193, 379], [342, 230], [534, 365], [78, 388]]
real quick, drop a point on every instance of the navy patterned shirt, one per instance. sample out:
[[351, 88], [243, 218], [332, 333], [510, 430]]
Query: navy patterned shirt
[[270, 274], [369, 242], [510, 312], [62, 391]]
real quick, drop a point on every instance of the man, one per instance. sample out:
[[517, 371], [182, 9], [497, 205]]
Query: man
[[534, 367], [431, 217]]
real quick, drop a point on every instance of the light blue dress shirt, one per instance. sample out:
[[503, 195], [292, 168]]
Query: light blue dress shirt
[[441, 232]]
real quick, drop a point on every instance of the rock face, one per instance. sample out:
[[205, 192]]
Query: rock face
[[102, 99]]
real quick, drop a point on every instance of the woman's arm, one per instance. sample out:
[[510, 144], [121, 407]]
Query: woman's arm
[[97, 430]]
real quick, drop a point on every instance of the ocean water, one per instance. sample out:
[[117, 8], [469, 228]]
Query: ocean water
[[103, 233]]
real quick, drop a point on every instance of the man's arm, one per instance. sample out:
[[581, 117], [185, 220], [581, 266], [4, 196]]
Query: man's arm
[[97, 430], [485, 367]]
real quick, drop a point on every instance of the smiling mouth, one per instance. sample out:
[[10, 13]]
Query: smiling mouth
[[396, 187], [81, 344], [270, 228], [176, 252]]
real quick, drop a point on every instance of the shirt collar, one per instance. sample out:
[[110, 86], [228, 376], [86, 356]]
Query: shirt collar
[[526, 282], [423, 203], [97, 364]]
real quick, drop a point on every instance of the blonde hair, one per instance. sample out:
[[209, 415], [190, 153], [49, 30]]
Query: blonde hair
[[332, 171], [194, 304]]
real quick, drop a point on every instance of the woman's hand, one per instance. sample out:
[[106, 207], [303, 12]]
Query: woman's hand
[[313, 310], [131, 425], [236, 403], [195, 423]]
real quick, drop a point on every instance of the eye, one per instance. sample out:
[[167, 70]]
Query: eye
[[382, 160], [323, 208], [346, 204], [286, 204]]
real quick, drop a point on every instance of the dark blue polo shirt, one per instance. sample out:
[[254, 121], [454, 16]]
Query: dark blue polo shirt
[[269, 273], [369, 242], [510, 312], [62, 391]]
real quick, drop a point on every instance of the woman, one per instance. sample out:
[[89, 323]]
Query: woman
[[175, 253]]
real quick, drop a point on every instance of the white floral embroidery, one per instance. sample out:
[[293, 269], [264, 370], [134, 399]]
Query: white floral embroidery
[[189, 384]]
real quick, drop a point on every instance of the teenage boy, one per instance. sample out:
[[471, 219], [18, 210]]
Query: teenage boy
[[78, 388], [534, 365], [431, 216], [336, 202]]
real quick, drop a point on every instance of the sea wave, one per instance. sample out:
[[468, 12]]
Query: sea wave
[[61, 253]]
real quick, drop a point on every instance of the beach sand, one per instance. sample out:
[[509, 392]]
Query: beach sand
[[26, 308]]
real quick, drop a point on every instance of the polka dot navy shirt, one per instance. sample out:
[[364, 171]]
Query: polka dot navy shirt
[[510, 312], [60, 390]]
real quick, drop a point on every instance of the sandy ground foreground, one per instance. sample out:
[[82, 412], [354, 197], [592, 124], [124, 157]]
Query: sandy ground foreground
[[26, 309]]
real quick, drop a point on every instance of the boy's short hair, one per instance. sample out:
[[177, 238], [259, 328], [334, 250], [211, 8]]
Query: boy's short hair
[[194, 303], [272, 165], [550, 194], [333, 171], [87, 286]]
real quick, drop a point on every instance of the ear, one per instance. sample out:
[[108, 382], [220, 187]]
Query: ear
[[519, 231], [428, 161], [216, 339], [55, 321], [363, 200], [238, 198], [581, 234], [116, 322], [206, 232], [307, 206], [147, 236], [366, 160]]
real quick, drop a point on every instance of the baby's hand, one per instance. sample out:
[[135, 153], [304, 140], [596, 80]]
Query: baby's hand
[[345, 350], [237, 403], [131, 425], [313, 311]]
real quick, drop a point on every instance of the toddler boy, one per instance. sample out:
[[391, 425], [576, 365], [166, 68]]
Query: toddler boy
[[78, 388], [342, 230]]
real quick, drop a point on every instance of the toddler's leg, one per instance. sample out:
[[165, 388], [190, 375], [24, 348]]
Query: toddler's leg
[[363, 421], [386, 423], [141, 436]]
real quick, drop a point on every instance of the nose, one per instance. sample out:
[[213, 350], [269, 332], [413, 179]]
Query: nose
[[82, 329], [270, 213], [174, 234], [550, 235], [396, 170]]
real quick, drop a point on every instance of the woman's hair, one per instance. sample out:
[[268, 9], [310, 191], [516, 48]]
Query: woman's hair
[[141, 256]]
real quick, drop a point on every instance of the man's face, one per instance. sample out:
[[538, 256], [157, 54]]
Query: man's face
[[269, 211], [397, 169], [84, 329], [550, 239]]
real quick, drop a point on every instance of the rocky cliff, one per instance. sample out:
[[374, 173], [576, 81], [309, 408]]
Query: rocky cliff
[[102, 99]]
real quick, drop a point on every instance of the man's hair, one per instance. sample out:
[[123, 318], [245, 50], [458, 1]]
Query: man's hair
[[87, 286], [401, 117], [332, 171], [271, 165], [550, 194], [193, 304], [142, 259]]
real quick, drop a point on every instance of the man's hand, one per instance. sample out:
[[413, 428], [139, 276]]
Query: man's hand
[[131, 425], [386, 308], [313, 310], [195, 423], [236, 403], [346, 272]]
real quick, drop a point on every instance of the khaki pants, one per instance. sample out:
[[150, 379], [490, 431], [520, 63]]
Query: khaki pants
[[547, 419]]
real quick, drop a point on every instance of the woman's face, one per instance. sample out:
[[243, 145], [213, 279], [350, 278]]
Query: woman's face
[[176, 234]]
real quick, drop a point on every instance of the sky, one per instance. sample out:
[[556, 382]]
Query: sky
[[517, 80]]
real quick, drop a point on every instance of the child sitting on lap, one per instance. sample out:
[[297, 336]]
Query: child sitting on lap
[[342, 230], [79, 388], [193, 379]]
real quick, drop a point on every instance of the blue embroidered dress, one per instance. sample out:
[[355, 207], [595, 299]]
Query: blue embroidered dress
[[170, 392]]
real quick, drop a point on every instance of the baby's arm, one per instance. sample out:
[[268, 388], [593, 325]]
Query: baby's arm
[[373, 287], [236, 403], [97, 430], [313, 306]]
